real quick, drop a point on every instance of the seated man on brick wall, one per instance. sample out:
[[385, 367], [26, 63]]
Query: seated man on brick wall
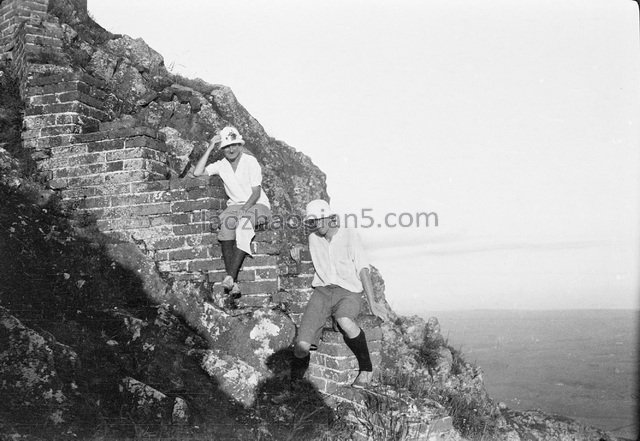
[[242, 178], [341, 274]]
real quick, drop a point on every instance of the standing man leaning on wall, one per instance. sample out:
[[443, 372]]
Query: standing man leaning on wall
[[248, 205]]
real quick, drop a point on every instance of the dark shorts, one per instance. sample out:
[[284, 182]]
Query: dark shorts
[[327, 301]]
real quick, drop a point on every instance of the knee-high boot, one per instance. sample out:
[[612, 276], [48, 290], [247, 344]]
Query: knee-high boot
[[228, 247], [358, 346], [236, 262]]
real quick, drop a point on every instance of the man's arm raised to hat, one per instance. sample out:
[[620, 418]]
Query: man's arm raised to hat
[[202, 163]]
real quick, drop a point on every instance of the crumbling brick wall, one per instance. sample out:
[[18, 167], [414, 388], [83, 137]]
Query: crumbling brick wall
[[14, 13], [118, 176]]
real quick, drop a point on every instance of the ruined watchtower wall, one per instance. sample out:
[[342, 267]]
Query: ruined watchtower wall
[[119, 175]]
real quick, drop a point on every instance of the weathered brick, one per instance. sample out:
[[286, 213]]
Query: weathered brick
[[139, 141], [89, 111], [265, 248], [246, 276], [167, 243], [96, 136], [317, 362], [94, 202], [203, 192], [60, 130], [76, 193], [334, 349], [60, 107], [319, 382], [67, 118], [342, 363], [184, 183], [216, 276], [266, 273], [156, 167], [134, 164], [195, 277], [115, 166], [123, 224], [185, 206], [90, 158], [295, 282], [258, 260], [86, 181], [81, 97], [332, 387], [205, 265], [208, 238], [140, 187], [161, 220], [39, 100], [259, 287], [190, 229], [108, 144], [188, 254], [83, 170], [75, 149], [38, 122], [336, 376], [267, 236], [172, 266], [180, 219], [203, 216], [122, 177], [305, 268], [55, 141], [149, 209]]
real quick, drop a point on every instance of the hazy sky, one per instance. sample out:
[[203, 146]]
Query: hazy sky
[[518, 123]]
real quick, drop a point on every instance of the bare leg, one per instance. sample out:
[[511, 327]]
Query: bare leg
[[349, 327], [302, 349]]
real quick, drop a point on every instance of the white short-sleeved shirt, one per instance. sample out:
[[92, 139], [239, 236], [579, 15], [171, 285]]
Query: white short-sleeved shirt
[[338, 261], [238, 184]]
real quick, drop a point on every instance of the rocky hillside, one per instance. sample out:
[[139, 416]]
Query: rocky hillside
[[97, 343]]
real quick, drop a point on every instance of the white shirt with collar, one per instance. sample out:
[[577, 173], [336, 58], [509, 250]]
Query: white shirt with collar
[[238, 184], [338, 261]]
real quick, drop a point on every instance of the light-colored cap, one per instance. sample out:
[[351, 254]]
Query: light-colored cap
[[229, 136], [318, 209]]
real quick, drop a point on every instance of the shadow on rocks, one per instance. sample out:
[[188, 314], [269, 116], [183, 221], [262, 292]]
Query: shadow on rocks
[[295, 411]]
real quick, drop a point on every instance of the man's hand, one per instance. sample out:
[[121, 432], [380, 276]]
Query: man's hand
[[295, 251], [215, 140], [379, 310]]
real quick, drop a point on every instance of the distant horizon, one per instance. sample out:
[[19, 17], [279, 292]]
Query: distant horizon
[[637, 310], [543, 310]]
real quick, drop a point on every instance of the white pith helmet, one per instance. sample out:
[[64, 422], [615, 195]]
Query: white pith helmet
[[230, 135], [318, 209]]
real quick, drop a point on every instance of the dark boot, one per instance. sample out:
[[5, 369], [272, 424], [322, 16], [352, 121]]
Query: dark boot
[[227, 247], [358, 346], [236, 262], [298, 368]]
